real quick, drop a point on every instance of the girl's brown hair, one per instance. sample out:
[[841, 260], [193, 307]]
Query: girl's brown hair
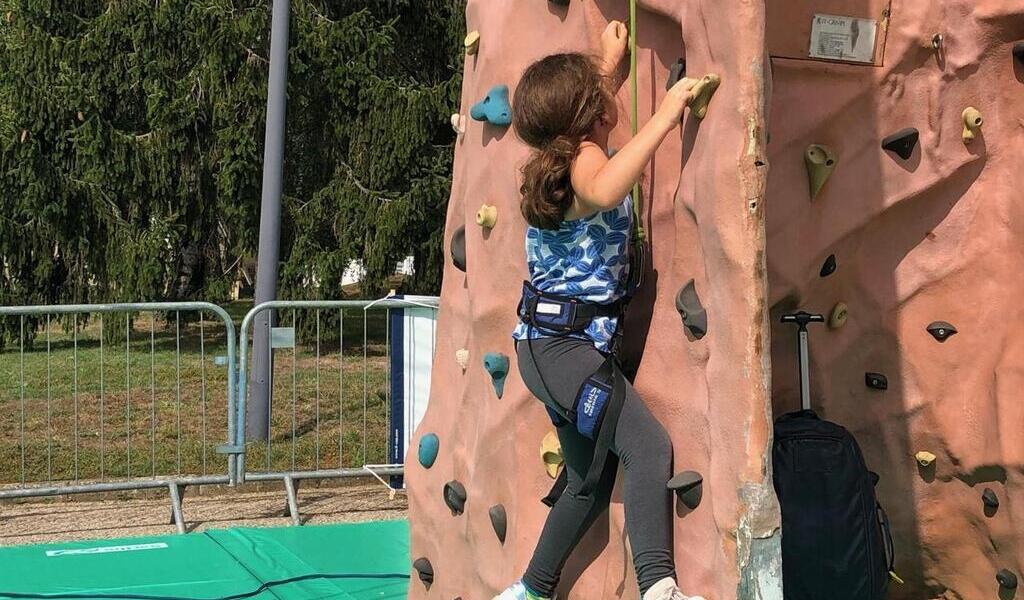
[[558, 102]]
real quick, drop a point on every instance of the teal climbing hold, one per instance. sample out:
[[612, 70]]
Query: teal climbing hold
[[494, 108], [496, 364], [429, 445]]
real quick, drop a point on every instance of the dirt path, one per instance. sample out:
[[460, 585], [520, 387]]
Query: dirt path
[[65, 520]]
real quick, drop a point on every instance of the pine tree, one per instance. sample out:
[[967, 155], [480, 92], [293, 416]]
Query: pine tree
[[131, 136]]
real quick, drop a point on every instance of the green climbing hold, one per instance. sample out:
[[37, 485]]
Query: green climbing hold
[[497, 365], [455, 497], [695, 318], [494, 108], [429, 445], [425, 570], [902, 143], [499, 520], [689, 486]]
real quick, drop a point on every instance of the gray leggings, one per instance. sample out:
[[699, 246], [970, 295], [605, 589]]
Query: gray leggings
[[553, 369]]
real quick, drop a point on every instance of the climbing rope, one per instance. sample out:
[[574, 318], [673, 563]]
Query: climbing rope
[[638, 227]]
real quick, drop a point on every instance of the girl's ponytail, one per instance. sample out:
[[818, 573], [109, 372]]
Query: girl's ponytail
[[547, 183], [557, 104]]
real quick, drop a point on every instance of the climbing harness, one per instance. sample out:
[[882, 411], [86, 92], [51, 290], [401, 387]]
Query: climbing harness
[[599, 400], [561, 314]]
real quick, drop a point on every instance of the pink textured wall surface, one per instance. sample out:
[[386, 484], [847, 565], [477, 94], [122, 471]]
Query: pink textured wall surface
[[936, 237]]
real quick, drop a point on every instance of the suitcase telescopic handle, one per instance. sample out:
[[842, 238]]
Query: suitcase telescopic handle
[[802, 318]]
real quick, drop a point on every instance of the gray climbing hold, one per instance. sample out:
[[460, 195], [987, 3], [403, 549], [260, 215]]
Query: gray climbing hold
[[689, 486], [902, 143], [829, 267], [499, 520], [695, 318], [941, 330], [989, 498], [1018, 52], [455, 497], [1007, 579], [676, 72], [497, 365], [424, 569], [428, 448], [458, 248], [876, 381]]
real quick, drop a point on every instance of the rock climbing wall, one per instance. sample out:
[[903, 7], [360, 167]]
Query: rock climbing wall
[[704, 218], [931, 231], [898, 246]]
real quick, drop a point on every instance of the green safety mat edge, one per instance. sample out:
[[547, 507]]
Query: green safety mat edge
[[356, 561]]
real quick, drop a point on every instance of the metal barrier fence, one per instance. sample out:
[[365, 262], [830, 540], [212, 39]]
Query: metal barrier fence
[[88, 377], [114, 397], [329, 413]]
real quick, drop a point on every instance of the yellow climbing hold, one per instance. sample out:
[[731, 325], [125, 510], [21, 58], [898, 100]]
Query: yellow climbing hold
[[551, 453], [972, 123], [838, 317], [703, 90], [462, 357], [925, 459], [487, 216], [472, 42], [820, 161]]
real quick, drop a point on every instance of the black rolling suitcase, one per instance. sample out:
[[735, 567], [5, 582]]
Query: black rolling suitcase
[[836, 543]]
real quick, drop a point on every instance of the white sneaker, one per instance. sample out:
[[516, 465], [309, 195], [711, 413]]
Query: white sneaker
[[516, 591], [666, 589]]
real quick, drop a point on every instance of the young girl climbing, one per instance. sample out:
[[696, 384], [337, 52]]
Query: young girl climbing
[[576, 202]]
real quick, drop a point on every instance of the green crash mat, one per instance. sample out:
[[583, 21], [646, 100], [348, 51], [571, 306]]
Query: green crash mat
[[356, 561]]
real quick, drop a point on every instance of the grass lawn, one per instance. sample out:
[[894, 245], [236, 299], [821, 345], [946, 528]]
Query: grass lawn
[[154, 402]]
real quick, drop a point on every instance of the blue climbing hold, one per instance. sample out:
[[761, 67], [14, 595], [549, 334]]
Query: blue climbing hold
[[494, 108], [429, 445], [497, 365]]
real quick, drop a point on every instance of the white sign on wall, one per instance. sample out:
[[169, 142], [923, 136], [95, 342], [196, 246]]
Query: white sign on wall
[[843, 38]]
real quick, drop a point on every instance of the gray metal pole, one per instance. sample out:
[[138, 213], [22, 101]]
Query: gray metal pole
[[256, 418]]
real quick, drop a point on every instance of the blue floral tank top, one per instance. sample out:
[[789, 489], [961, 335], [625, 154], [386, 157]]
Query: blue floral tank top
[[587, 259]]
